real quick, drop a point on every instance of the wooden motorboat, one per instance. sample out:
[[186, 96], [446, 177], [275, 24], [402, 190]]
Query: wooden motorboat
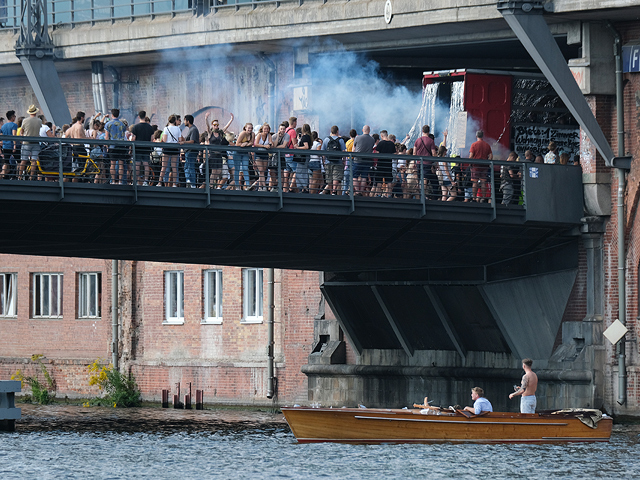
[[376, 425]]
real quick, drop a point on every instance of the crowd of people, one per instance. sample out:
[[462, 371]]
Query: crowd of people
[[174, 163]]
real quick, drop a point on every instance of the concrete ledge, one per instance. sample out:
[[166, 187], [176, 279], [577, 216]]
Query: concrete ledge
[[572, 376], [10, 386]]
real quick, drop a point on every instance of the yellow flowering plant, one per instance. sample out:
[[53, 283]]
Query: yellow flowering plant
[[119, 389]]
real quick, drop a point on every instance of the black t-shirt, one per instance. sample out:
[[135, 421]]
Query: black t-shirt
[[304, 139], [386, 146], [144, 133]]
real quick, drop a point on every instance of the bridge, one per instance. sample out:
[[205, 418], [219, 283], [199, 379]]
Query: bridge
[[287, 230], [395, 269]]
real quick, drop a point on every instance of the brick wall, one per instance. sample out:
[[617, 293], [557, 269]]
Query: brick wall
[[228, 360]]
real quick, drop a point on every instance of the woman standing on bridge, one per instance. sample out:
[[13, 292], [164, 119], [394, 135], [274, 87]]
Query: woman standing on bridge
[[241, 160], [169, 172]]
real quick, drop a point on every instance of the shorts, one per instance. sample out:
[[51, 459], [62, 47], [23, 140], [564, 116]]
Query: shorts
[[8, 155], [479, 172], [314, 165], [360, 170], [290, 165], [334, 171], [118, 153], [30, 150], [171, 152], [528, 404]]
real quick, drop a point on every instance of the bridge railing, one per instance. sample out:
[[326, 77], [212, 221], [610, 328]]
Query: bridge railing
[[70, 12], [276, 171]]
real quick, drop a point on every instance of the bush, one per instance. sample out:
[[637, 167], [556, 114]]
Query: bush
[[120, 390], [39, 391]]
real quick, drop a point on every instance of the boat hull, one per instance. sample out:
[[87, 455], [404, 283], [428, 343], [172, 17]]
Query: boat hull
[[354, 425]]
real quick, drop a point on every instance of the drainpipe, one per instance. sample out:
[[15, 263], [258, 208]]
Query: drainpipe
[[114, 314], [271, 108], [622, 303], [270, 336]]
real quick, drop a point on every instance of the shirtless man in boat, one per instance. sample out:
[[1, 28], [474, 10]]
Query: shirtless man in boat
[[480, 404], [527, 389]]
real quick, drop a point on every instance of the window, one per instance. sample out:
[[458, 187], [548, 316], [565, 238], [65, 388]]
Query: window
[[212, 296], [89, 295], [47, 295], [252, 293], [8, 307], [174, 296]]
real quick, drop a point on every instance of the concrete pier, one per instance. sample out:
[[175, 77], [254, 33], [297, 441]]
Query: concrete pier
[[8, 412]]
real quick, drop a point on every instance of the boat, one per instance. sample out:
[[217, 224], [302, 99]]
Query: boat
[[433, 425]]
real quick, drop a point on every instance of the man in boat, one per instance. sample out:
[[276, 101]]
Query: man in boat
[[527, 388], [480, 404]]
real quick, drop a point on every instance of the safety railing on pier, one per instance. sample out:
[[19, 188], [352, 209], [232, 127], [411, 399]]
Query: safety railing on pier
[[275, 171], [70, 12]]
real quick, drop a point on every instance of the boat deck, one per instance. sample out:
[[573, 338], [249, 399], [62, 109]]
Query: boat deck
[[359, 425]]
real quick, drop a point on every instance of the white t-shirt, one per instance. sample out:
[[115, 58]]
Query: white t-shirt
[[172, 133], [43, 130]]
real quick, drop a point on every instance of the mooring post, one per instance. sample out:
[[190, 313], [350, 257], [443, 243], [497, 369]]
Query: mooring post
[[8, 411]]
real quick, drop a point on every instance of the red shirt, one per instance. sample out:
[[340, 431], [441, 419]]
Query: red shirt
[[424, 147], [480, 150]]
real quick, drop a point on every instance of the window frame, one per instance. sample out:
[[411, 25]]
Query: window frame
[[86, 290], [206, 319], [36, 286], [5, 292], [257, 291], [179, 277]]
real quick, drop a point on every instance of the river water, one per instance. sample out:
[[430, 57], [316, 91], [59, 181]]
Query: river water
[[73, 442]]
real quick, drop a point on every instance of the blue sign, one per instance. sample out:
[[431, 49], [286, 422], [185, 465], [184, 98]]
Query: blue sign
[[631, 58], [533, 172]]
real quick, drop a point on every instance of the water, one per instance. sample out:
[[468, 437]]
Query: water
[[69, 442]]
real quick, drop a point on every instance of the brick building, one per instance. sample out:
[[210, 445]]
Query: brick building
[[198, 324]]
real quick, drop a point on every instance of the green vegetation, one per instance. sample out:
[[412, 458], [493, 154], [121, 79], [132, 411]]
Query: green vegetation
[[41, 392], [120, 390]]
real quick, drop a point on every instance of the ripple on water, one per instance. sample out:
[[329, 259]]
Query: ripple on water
[[78, 443]]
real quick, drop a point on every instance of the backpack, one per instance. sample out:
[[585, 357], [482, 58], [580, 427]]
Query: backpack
[[334, 145]]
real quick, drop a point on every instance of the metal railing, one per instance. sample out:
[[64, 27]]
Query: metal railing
[[71, 12], [280, 172]]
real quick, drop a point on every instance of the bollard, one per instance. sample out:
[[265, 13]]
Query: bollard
[[8, 411], [165, 398], [199, 399], [187, 399], [176, 398]]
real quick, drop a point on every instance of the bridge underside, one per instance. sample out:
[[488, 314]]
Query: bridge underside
[[325, 233], [512, 308]]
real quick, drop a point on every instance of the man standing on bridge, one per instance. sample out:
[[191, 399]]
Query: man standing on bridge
[[527, 389], [192, 136], [362, 165], [480, 150], [115, 130], [77, 131]]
